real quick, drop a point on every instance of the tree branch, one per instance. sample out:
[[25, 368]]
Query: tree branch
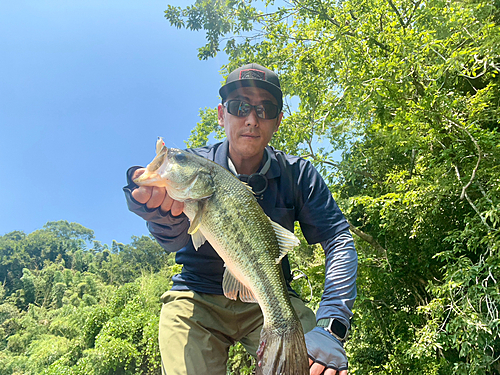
[[335, 22], [372, 241], [483, 220], [337, 165], [402, 23], [382, 46], [417, 4], [366, 237], [297, 4], [474, 171]]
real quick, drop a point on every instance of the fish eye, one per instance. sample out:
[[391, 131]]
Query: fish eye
[[180, 158]]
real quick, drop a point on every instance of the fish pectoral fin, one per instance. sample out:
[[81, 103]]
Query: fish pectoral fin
[[198, 239], [286, 240], [232, 286], [196, 222]]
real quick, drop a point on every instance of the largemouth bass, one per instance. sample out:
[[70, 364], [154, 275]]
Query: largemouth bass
[[224, 211]]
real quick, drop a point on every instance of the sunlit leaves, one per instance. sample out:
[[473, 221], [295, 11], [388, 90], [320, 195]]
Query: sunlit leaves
[[408, 92]]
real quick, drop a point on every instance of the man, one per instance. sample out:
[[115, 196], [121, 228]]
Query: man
[[198, 323]]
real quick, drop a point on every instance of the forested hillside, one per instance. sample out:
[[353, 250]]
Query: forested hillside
[[70, 305]]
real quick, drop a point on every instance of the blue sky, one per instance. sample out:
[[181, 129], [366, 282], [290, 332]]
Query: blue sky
[[85, 89]]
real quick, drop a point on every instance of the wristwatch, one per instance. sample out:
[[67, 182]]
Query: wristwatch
[[335, 327]]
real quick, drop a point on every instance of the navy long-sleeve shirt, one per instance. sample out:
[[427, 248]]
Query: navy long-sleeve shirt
[[295, 192]]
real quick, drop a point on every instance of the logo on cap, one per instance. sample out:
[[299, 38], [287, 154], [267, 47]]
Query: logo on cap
[[252, 74]]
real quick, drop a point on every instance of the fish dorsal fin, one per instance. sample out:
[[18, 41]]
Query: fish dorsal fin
[[232, 286], [286, 240], [159, 145], [196, 235]]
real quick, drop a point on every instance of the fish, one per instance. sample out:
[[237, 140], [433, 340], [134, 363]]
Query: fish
[[224, 211]]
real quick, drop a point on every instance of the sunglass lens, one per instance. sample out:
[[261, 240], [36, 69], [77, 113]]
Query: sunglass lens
[[270, 110], [232, 107], [237, 108], [242, 109]]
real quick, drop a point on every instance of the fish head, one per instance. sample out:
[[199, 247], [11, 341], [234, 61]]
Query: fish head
[[185, 175]]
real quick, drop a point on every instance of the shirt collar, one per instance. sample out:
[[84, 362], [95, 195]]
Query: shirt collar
[[222, 153]]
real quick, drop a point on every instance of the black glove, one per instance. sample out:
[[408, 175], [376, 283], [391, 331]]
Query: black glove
[[325, 349]]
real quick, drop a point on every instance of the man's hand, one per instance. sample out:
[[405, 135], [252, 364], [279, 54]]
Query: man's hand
[[153, 197], [326, 354]]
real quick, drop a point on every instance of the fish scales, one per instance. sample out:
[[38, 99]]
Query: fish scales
[[225, 212], [233, 207]]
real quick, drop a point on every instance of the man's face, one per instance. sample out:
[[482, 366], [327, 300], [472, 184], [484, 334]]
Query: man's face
[[248, 136]]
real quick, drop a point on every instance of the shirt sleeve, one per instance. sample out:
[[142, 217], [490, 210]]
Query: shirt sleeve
[[170, 231], [322, 221], [320, 217], [340, 278]]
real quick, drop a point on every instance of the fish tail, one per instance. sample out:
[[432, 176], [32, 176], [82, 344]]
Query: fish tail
[[282, 352]]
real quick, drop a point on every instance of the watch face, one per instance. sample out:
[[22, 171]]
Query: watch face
[[335, 327], [338, 328]]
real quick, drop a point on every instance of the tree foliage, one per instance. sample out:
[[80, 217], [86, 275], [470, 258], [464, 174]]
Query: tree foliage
[[408, 92], [69, 305]]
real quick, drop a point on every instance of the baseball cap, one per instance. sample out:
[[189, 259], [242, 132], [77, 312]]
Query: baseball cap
[[253, 75]]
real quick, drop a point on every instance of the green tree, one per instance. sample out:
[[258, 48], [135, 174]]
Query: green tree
[[58, 292], [408, 92], [78, 262], [13, 259], [55, 319], [28, 287], [145, 253], [70, 231]]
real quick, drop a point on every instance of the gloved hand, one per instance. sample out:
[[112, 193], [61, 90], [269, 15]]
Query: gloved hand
[[326, 351]]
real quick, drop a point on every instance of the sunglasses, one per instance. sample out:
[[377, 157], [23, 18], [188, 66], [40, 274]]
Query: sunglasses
[[240, 108]]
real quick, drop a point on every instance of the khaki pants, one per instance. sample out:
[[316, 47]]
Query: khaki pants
[[197, 329]]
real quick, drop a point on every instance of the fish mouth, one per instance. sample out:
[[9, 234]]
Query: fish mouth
[[148, 178]]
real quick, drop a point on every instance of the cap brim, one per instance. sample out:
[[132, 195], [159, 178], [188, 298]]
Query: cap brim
[[275, 91]]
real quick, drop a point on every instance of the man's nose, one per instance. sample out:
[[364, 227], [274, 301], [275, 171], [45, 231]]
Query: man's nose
[[252, 118]]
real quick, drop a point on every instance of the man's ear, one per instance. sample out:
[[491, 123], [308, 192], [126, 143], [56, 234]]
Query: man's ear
[[278, 121], [220, 115]]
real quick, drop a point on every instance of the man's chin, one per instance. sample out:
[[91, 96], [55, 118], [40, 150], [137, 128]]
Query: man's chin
[[249, 152]]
